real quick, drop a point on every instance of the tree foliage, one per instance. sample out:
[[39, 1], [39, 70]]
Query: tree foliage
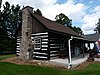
[[98, 25], [38, 12], [10, 18], [64, 20], [0, 3]]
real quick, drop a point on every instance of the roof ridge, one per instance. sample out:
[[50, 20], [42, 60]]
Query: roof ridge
[[52, 25]]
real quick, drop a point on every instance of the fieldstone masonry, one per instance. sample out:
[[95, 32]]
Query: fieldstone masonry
[[26, 45]]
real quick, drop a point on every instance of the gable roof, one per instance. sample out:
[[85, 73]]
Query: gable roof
[[51, 25], [92, 37]]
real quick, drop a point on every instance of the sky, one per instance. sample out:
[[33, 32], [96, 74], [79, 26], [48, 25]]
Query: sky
[[84, 13]]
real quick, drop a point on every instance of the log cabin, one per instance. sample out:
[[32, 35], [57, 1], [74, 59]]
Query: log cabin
[[40, 38]]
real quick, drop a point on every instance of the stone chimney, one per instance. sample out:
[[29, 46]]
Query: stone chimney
[[26, 50]]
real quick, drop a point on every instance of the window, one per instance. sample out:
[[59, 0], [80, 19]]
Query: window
[[62, 46], [37, 43]]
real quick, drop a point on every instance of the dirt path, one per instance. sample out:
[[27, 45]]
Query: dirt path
[[16, 60], [82, 66]]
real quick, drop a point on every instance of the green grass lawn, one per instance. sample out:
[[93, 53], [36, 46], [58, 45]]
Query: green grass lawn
[[14, 69], [6, 56]]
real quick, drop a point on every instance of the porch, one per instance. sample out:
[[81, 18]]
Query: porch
[[75, 60]]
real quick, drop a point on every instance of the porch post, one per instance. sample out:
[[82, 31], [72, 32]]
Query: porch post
[[89, 45], [83, 49], [69, 62]]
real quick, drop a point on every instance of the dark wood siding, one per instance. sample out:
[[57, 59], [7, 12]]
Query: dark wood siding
[[37, 26], [19, 32], [41, 53], [55, 45], [50, 46], [18, 46]]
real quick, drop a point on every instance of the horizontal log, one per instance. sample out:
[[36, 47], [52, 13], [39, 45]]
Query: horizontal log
[[40, 33], [40, 55], [42, 51], [40, 58]]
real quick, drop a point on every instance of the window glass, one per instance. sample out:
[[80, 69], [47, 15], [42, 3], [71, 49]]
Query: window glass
[[37, 43]]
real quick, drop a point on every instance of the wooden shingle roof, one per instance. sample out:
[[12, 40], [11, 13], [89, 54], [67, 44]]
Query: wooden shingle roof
[[92, 37], [51, 25]]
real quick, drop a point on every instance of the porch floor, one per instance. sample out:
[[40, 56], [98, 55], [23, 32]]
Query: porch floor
[[75, 60]]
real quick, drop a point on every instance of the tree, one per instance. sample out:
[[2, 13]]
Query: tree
[[11, 18], [16, 18], [64, 20], [0, 10], [0, 3], [38, 12], [79, 31], [3, 39], [5, 17], [98, 25]]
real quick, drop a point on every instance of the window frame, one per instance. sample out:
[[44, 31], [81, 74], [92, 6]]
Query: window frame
[[62, 45], [37, 43]]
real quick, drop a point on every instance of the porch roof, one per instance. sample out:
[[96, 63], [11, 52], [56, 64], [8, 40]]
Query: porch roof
[[92, 37]]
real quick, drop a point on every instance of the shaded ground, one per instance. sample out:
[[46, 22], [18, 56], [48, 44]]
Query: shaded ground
[[16, 60], [6, 56]]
